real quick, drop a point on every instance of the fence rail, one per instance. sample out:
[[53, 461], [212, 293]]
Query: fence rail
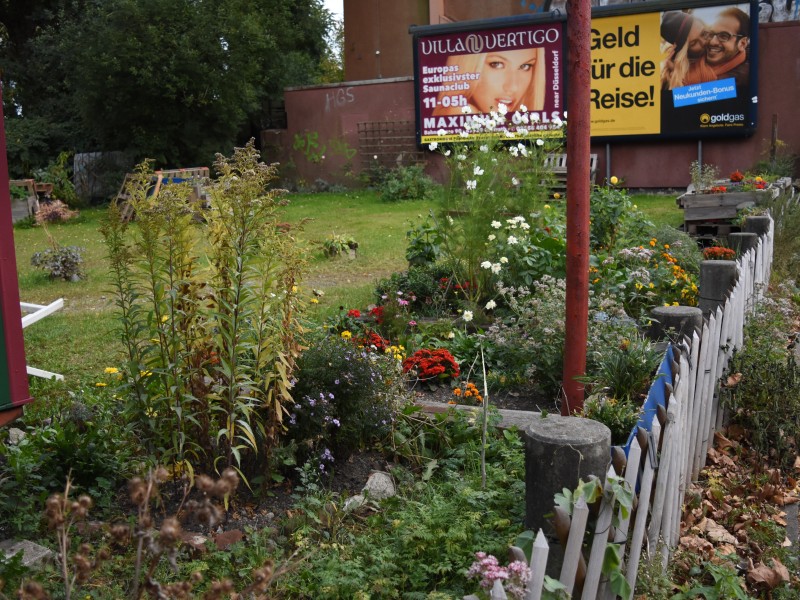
[[665, 453]]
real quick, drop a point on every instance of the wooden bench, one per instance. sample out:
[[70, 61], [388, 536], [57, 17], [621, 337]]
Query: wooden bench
[[196, 177], [558, 165]]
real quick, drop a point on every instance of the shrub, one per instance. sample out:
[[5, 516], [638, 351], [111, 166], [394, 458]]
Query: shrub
[[624, 371], [614, 218], [619, 415], [407, 183], [345, 398], [61, 262], [58, 173], [421, 285], [424, 242], [339, 245], [766, 399]]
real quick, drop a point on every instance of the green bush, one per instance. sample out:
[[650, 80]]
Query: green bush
[[421, 285], [61, 262], [407, 183], [766, 401], [345, 397]]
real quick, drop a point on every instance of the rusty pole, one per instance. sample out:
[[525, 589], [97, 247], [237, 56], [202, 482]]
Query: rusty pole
[[579, 25]]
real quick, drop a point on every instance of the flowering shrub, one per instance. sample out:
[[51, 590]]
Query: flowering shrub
[[344, 397], [487, 569], [428, 364], [644, 277], [737, 176], [523, 252], [719, 253], [489, 177]]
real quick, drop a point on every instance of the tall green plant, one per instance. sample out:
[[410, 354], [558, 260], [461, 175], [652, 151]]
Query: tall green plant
[[208, 314]]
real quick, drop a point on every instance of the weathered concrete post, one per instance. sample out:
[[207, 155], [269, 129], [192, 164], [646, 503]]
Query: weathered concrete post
[[742, 242], [758, 224], [717, 278], [674, 322], [558, 452]]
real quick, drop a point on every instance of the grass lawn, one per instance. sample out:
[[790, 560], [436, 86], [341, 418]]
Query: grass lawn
[[79, 341]]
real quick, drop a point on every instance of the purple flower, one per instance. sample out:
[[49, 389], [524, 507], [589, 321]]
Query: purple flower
[[330, 395], [336, 382], [402, 302]]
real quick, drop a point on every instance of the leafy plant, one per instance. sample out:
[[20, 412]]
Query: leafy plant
[[58, 173], [424, 242], [61, 262], [703, 176], [407, 183], [625, 371], [614, 217], [620, 416], [339, 245]]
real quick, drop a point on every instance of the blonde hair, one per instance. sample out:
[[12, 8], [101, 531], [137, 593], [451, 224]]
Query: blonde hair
[[533, 98]]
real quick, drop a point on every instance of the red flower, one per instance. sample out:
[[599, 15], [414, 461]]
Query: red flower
[[377, 314], [429, 364], [737, 176], [353, 312]]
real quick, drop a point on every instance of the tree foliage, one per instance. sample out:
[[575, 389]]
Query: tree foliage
[[172, 80]]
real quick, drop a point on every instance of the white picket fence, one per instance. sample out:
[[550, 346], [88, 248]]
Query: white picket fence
[[661, 469]]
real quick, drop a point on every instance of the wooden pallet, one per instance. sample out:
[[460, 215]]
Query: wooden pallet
[[557, 163], [197, 177]]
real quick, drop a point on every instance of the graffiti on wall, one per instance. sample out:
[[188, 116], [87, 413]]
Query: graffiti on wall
[[314, 151], [338, 98]]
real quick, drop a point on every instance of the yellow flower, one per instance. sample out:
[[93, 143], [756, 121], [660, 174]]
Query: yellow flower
[[556, 195], [653, 242], [294, 289], [346, 334], [547, 206], [100, 384], [614, 180], [145, 373], [111, 370], [652, 285], [666, 246], [164, 319], [314, 301]]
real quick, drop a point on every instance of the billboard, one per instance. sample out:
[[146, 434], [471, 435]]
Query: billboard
[[658, 70], [461, 75]]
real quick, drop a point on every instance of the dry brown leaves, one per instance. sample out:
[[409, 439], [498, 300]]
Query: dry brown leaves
[[728, 508]]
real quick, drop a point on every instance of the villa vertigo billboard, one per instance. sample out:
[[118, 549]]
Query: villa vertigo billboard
[[663, 70]]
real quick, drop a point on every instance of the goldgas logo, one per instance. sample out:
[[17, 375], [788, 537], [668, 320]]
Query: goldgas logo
[[705, 118]]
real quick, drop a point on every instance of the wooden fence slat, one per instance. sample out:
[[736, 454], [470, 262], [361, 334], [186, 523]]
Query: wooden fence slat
[[599, 541], [694, 358], [572, 552], [640, 522], [708, 392], [700, 391], [662, 480], [631, 477], [538, 566]]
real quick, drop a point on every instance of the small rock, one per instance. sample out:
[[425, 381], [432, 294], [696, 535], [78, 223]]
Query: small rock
[[379, 486], [195, 541], [33, 555], [226, 538], [15, 436], [354, 502]]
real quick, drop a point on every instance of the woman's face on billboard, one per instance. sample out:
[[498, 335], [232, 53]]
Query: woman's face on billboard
[[504, 79]]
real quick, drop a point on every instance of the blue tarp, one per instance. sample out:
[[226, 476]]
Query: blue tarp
[[656, 396]]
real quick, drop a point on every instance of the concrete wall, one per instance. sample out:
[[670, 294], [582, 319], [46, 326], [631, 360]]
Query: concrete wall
[[323, 121]]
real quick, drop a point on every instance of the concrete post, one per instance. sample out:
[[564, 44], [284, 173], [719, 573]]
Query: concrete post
[[674, 322], [558, 452], [758, 224], [742, 242], [717, 278]]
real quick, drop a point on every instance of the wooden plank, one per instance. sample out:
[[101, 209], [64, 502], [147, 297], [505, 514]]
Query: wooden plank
[[538, 566], [692, 411], [37, 312], [599, 541], [572, 552], [700, 400], [640, 522]]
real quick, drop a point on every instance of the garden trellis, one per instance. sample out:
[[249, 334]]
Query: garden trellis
[[666, 451]]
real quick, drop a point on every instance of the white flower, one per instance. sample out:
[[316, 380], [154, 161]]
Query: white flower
[[447, 152], [497, 224], [491, 304], [431, 146], [375, 156], [514, 181], [496, 268], [523, 108], [492, 237], [450, 220], [441, 132], [467, 316], [484, 148], [466, 109], [503, 260], [510, 134], [540, 142], [486, 265], [451, 335], [502, 108], [477, 170], [512, 240], [514, 151], [525, 226], [464, 134], [471, 184], [461, 157]]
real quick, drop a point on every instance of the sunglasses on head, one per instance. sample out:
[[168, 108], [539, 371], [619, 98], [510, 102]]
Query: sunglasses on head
[[722, 36]]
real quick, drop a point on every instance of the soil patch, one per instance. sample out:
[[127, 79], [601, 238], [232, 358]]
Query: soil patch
[[523, 398]]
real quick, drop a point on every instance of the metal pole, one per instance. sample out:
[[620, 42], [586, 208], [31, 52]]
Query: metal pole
[[699, 154], [608, 163], [579, 15]]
